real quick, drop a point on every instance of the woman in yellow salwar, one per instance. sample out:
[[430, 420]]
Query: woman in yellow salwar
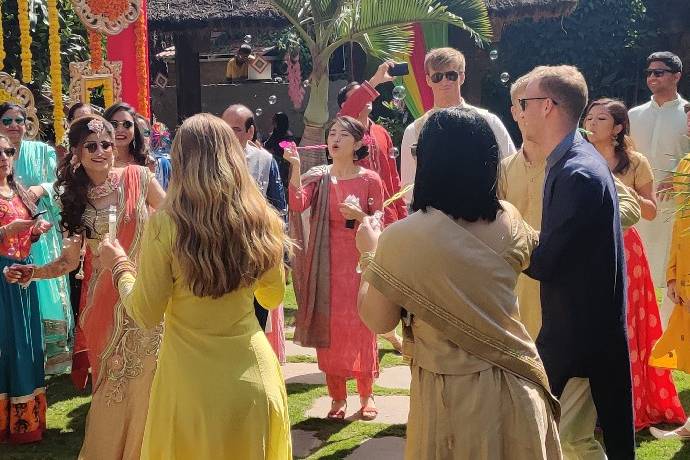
[[218, 391], [672, 351], [479, 389]]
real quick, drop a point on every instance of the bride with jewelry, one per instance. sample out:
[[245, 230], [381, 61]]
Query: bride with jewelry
[[99, 200]]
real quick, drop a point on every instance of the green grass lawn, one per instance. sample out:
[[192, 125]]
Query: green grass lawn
[[67, 413]]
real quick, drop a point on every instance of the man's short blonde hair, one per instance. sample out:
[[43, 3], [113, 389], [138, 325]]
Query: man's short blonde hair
[[565, 85], [518, 87], [444, 58]]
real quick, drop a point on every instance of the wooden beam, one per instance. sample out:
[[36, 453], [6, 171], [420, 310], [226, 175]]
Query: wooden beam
[[188, 75]]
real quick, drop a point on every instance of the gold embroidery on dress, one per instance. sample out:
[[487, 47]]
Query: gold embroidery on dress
[[127, 359]]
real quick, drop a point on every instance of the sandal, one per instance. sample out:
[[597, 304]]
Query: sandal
[[368, 413], [338, 414]]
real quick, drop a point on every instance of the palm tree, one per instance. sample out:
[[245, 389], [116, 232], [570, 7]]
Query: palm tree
[[382, 27]]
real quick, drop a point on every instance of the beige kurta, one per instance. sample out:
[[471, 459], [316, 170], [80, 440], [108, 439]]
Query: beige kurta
[[479, 390], [522, 185]]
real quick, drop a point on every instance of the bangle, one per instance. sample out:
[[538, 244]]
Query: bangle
[[120, 268], [365, 259]]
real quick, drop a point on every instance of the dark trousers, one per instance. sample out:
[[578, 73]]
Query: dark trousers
[[74, 293], [261, 314], [608, 371]]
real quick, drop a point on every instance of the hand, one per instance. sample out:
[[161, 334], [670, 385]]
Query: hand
[[673, 294], [17, 273], [291, 155], [109, 252], [351, 212], [18, 226], [41, 227], [368, 234], [382, 76], [665, 188]]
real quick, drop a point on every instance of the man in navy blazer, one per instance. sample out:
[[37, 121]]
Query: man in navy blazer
[[579, 260]]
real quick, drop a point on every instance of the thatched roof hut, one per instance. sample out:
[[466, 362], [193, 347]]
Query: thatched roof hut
[[172, 15]]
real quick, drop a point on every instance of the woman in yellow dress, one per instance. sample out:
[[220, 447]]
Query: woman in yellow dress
[[218, 391]]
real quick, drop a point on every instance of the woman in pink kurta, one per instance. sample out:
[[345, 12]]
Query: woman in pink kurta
[[326, 279]]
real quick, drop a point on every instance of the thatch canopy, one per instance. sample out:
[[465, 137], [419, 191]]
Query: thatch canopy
[[185, 14], [170, 15]]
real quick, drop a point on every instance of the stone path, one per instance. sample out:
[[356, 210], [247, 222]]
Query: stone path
[[386, 448], [392, 409]]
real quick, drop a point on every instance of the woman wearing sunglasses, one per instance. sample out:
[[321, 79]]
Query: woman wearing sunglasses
[[22, 388], [35, 164], [130, 142], [95, 196]]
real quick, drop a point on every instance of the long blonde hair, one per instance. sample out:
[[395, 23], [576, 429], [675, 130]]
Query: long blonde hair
[[227, 233]]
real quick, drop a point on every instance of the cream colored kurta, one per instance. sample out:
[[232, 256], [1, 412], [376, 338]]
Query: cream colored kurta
[[659, 133], [467, 405], [522, 185]]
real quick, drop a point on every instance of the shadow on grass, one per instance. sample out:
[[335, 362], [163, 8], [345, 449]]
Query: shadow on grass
[[683, 453], [392, 430]]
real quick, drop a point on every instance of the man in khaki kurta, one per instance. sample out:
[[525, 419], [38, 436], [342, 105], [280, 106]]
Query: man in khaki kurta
[[522, 183]]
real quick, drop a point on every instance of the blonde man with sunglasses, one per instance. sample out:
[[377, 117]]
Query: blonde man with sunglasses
[[445, 75]]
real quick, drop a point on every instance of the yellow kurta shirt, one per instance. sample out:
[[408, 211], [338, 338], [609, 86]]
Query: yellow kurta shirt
[[673, 349], [218, 391], [523, 187]]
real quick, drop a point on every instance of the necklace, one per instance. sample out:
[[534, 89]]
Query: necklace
[[106, 188], [9, 196]]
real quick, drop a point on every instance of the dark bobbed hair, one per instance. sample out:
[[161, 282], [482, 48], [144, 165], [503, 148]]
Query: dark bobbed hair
[[282, 123], [138, 145], [72, 110], [356, 129], [72, 185], [342, 94], [619, 112], [458, 164], [5, 106]]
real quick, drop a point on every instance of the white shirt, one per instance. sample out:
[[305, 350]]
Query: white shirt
[[659, 133], [408, 164]]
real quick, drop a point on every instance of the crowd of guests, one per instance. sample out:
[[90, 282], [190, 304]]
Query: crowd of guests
[[524, 278]]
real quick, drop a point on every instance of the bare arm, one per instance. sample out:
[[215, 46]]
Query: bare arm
[[155, 195], [67, 261], [647, 200]]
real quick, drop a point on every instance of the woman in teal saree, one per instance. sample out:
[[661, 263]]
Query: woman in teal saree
[[36, 164]]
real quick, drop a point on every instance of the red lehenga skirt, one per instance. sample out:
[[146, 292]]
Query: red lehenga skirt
[[654, 393]]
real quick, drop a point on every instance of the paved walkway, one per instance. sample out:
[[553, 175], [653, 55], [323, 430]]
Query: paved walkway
[[393, 410]]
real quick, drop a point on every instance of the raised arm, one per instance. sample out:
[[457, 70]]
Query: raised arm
[[146, 294]]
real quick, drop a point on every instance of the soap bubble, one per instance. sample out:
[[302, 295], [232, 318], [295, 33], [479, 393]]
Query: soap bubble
[[393, 152], [278, 80], [493, 55], [305, 83], [247, 39], [272, 99], [259, 112], [399, 93], [505, 77]]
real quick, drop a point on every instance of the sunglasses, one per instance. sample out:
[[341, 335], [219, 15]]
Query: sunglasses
[[451, 75], [106, 146], [9, 152], [657, 72], [125, 124], [8, 121], [523, 102]]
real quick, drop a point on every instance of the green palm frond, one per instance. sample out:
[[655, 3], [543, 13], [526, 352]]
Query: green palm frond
[[383, 27], [470, 15], [297, 12]]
